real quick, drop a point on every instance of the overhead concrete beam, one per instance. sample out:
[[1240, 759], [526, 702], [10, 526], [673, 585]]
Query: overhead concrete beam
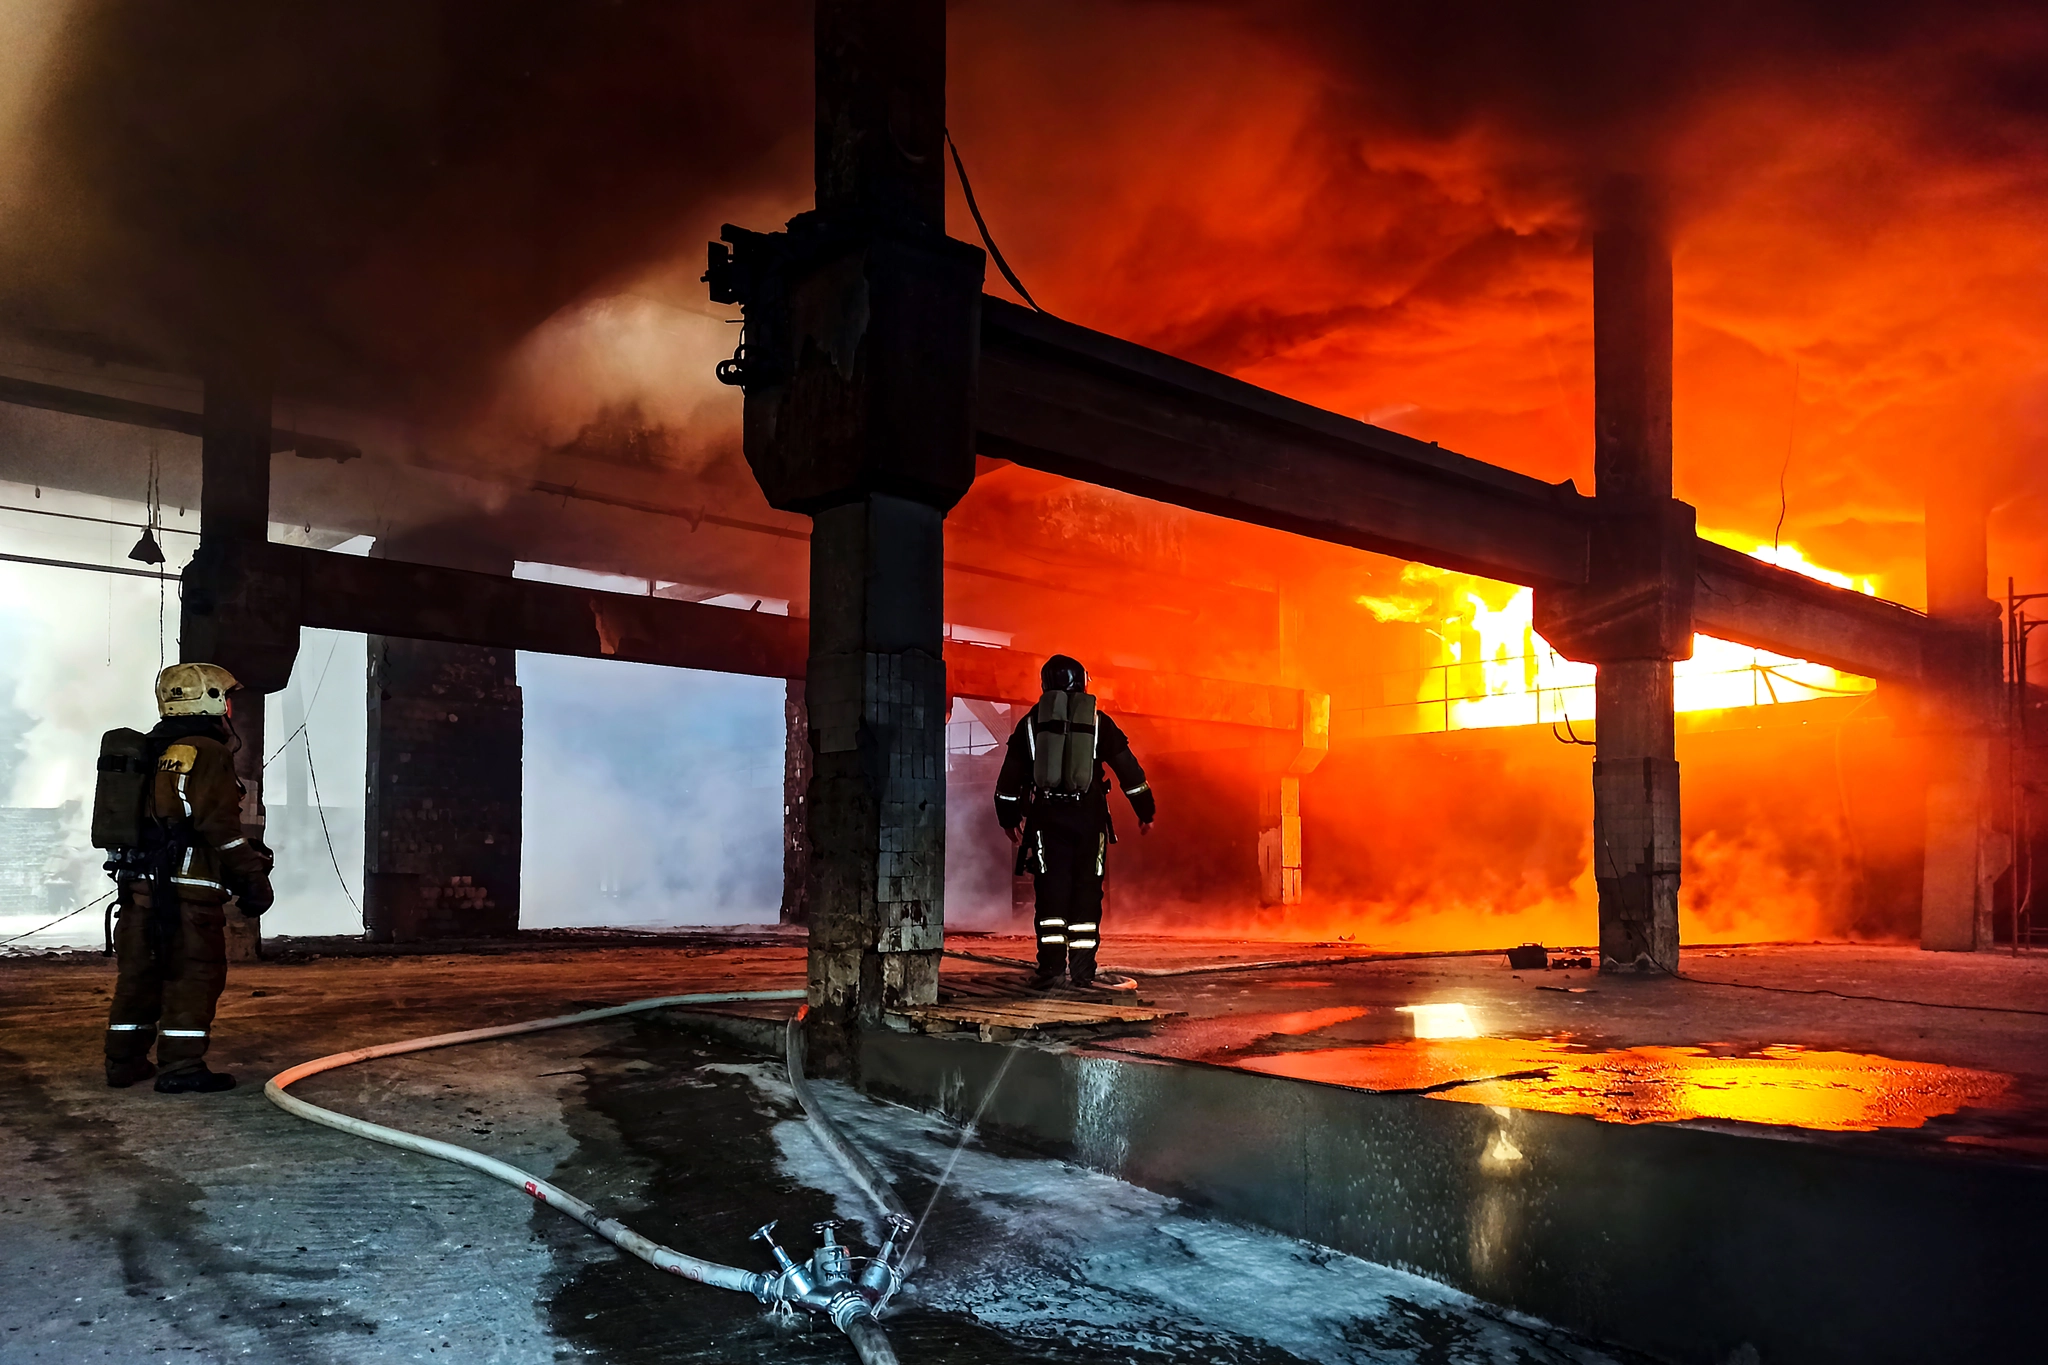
[[1078, 403], [1070, 401], [1085, 405], [28, 393], [460, 606], [1765, 607]]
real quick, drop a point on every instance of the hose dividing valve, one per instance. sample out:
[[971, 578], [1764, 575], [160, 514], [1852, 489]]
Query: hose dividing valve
[[829, 1263], [834, 1282], [879, 1279], [794, 1282]]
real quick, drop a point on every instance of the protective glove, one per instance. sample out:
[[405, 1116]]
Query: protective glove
[[256, 897]]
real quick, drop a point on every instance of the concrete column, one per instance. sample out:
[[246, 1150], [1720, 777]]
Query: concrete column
[[863, 325], [877, 698], [1633, 616], [222, 621], [443, 807], [1280, 840], [1966, 852], [1635, 815], [796, 796], [1281, 864], [1635, 767]]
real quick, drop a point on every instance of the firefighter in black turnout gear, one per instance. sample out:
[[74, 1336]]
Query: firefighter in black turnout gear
[[168, 809], [1053, 801]]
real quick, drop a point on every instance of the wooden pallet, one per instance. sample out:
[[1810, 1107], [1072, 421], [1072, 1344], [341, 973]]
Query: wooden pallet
[[995, 1018]]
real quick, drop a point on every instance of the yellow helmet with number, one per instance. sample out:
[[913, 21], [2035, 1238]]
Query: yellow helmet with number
[[194, 690]]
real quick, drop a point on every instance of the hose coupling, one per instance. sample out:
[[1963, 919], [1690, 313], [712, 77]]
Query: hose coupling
[[845, 1306]]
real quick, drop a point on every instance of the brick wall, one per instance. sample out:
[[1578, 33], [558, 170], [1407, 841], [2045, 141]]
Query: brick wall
[[442, 824]]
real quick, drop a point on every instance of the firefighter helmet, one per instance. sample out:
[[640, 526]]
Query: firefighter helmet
[[1063, 674], [194, 690]]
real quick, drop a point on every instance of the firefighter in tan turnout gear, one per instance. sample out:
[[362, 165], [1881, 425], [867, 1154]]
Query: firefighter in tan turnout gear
[[1052, 798], [168, 809]]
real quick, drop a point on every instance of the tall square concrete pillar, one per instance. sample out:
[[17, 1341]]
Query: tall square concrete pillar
[[1633, 617], [444, 791], [1280, 840], [234, 613], [1959, 714], [1281, 861], [863, 323]]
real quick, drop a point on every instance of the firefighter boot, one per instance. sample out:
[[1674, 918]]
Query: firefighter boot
[[126, 1071], [128, 1054], [194, 1081], [121, 1075]]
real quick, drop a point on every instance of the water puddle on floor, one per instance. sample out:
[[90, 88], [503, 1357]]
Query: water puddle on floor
[[1783, 1084]]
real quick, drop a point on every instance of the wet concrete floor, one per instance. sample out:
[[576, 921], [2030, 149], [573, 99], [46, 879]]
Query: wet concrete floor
[[1938, 1053], [146, 1227]]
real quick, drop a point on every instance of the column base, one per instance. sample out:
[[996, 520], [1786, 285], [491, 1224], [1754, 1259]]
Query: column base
[[1639, 923], [850, 990]]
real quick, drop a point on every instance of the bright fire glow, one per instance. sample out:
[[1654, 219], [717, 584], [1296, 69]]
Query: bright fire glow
[[1440, 1021], [1493, 669], [1781, 1085]]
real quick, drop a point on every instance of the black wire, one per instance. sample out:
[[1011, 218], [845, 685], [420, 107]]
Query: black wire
[[1791, 431], [1850, 995], [57, 921], [995, 253], [1566, 716], [103, 521], [1770, 671], [321, 811], [321, 682], [1574, 735]]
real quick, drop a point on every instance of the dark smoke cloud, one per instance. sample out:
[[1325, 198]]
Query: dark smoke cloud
[[385, 195], [1591, 86]]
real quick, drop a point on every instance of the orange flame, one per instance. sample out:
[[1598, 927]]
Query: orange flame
[[1494, 669]]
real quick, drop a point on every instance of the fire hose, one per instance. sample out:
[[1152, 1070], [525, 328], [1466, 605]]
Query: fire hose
[[852, 1291]]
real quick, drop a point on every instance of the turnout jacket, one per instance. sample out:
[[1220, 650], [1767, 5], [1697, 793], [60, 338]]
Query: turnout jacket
[[1085, 814], [199, 800]]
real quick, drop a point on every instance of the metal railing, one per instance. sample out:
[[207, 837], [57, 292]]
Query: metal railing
[[1437, 703]]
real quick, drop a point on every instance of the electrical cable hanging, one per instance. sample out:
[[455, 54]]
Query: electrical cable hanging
[[69, 914], [101, 521], [987, 239], [318, 683], [320, 809]]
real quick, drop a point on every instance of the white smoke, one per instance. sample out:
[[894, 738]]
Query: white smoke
[[79, 652], [653, 795]]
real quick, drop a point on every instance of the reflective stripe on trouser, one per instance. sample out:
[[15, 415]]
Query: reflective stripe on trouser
[[170, 1003], [1069, 887]]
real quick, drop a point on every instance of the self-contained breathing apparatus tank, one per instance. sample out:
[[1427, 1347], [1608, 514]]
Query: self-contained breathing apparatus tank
[[126, 768], [136, 846], [1063, 735]]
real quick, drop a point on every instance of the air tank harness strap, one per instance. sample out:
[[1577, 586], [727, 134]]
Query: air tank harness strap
[[164, 861]]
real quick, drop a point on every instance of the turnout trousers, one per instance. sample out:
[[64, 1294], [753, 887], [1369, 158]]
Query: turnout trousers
[[166, 999], [1066, 874]]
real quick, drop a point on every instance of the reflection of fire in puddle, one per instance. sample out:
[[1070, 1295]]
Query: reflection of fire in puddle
[[1842, 1091]]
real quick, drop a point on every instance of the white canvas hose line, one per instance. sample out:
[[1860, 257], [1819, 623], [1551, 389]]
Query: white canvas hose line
[[613, 1231], [857, 1167]]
